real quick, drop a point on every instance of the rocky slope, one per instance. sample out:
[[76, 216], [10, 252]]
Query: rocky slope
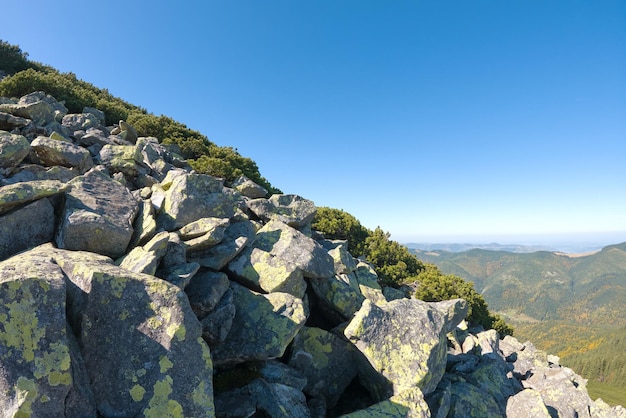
[[132, 286]]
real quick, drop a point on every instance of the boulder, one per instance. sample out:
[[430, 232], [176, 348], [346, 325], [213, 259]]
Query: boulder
[[8, 122], [293, 247], [327, 362], [191, 197], [292, 210], [13, 149], [526, 404], [404, 341], [170, 374], [468, 401], [39, 376], [98, 216], [125, 159], [26, 227], [80, 121], [51, 152], [263, 327], [248, 188], [410, 404], [19, 194], [340, 294], [236, 236], [216, 325], [258, 269], [203, 233]]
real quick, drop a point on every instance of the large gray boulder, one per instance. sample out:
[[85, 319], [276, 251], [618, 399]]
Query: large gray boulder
[[26, 227], [293, 247], [293, 210], [194, 196], [40, 374], [263, 327], [20, 194], [236, 237], [144, 358], [13, 149], [51, 152], [404, 341], [98, 216]]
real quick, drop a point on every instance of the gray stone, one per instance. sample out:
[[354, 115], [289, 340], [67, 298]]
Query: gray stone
[[19, 194], [292, 246], [248, 188], [216, 325], [263, 326], [13, 149], [236, 237], [292, 210], [26, 227], [126, 159], [8, 122], [205, 291], [80, 121], [98, 216], [52, 152], [526, 404], [191, 197]]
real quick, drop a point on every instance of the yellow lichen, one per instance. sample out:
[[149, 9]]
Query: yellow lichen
[[165, 364], [161, 406], [137, 392]]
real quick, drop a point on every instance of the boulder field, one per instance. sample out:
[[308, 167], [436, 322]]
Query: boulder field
[[132, 286]]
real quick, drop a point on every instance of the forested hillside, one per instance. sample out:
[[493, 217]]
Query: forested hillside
[[570, 306]]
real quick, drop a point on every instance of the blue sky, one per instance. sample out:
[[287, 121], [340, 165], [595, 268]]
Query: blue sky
[[437, 121]]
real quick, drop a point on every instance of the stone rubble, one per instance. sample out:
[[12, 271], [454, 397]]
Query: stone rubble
[[132, 286]]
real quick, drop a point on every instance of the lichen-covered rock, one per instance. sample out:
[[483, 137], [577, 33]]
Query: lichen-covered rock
[[18, 194], [339, 293], [216, 325], [338, 250], [263, 327], [468, 401], [404, 341], [259, 269], [26, 227], [40, 112], [293, 247], [205, 291], [194, 196], [13, 149], [368, 283], [292, 210], [126, 159], [326, 361], [37, 371], [8, 122], [526, 404], [236, 236], [98, 216], [80, 121], [203, 233], [144, 225], [410, 404], [248, 188], [143, 358], [51, 152]]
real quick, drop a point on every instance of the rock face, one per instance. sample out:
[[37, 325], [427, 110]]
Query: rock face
[[132, 286]]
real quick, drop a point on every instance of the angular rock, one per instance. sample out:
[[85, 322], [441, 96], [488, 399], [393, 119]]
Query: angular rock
[[13, 149], [19, 194], [263, 327], [26, 227], [292, 246], [80, 121], [258, 269], [8, 122], [326, 361], [40, 112], [172, 371], [338, 250], [37, 371], [216, 325], [236, 237], [203, 233], [98, 216], [340, 294], [51, 152], [292, 210], [368, 283], [194, 196], [205, 291], [526, 404], [139, 260], [248, 188], [144, 226], [126, 159], [404, 341], [410, 404], [470, 402]]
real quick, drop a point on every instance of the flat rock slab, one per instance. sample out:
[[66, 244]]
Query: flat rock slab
[[26, 227], [19, 194], [98, 216]]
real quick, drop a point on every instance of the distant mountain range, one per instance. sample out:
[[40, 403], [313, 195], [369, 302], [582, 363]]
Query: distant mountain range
[[513, 248], [572, 305]]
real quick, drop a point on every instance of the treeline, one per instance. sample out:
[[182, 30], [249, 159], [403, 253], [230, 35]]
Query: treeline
[[604, 361], [395, 265], [24, 76]]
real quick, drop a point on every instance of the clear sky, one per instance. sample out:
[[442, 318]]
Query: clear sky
[[437, 121]]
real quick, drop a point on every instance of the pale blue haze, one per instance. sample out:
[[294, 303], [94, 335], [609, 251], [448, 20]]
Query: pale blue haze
[[437, 121]]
